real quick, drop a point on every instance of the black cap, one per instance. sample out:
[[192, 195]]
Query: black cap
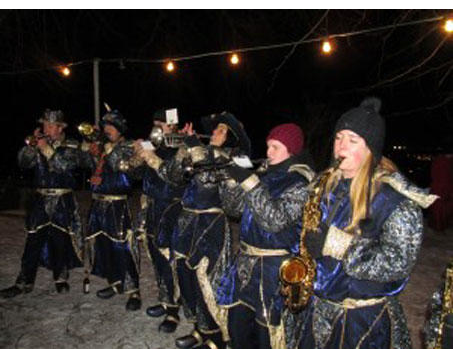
[[366, 121], [116, 119], [209, 123]]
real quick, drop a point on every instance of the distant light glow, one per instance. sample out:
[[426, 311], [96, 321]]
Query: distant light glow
[[65, 71], [170, 66], [449, 25], [234, 59], [326, 47]]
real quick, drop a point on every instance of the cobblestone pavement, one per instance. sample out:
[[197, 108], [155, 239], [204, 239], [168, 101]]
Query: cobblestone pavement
[[46, 319]]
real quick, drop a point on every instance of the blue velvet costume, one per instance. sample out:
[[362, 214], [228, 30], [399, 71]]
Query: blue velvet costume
[[110, 238], [269, 231], [160, 207], [358, 279], [53, 224]]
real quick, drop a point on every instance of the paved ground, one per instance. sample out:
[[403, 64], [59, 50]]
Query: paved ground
[[45, 319]]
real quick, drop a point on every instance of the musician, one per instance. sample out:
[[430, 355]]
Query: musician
[[438, 330], [366, 245], [54, 235], [201, 239], [160, 206], [110, 238], [270, 203]]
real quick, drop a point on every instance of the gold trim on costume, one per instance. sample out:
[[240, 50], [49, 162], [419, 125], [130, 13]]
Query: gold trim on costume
[[197, 336], [337, 243], [204, 211], [47, 151], [197, 154], [71, 234], [352, 303], [165, 253], [219, 313], [171, 319], [107, 197], [257, 251], [211, 344], [152, 159], [422, 199], [249, 183], [108, 147], [53, 191]]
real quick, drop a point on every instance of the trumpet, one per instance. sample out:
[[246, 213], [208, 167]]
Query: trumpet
[[32, 140], [89, 131], [190, 169], [170, 140]]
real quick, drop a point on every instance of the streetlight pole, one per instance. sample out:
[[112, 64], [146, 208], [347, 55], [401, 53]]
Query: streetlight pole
[[97, 110]]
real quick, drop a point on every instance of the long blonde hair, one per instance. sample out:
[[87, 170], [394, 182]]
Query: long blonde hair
[[359, 186]]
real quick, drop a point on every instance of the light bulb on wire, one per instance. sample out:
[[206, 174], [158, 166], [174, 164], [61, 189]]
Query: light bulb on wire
[[170, 66], [65, 71], [234, 59], [326, 47], [449, 26]]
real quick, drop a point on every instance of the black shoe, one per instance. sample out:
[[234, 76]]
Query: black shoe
[[62, 286], [156, 311], [209, 344], [11, 292], [134, 303], [108, 292], [189, 341], [169, 324]]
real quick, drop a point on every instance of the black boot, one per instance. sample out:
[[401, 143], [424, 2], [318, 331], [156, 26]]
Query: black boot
[[156, 311], [134, 302], [212, 341], [62, 286], [110, 291], [169, 324], [11, 292], [189, 341]]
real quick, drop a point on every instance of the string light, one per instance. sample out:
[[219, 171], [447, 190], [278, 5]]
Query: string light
[[65, 71], [326, 47], [449, 25], [170, 66], [234, 59]]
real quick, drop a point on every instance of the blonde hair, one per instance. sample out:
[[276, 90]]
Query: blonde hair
[[359, 186]]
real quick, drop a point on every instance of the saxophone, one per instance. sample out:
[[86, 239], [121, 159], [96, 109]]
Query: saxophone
[[447, 304], [297, 273]]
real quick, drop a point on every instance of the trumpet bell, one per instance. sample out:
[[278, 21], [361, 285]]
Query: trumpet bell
[[31, 140], [156, 136], [88, 131]]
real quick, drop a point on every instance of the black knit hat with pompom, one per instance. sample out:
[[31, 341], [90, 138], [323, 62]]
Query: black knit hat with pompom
[[366, 121]]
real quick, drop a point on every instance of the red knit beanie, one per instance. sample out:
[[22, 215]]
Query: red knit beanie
[[289, 134]]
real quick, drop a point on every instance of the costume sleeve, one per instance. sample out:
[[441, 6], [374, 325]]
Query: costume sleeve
[[232, 197], [274, 215], [392, 256], [27, 157]]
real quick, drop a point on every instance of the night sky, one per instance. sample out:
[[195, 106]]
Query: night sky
[[269, 87]]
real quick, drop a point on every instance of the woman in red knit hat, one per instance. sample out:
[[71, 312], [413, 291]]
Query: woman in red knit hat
[[270, 203]]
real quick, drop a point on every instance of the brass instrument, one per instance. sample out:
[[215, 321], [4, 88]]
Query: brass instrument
[[297, 273], [447, 304], [170, 140], [32, 140], [89, 131]]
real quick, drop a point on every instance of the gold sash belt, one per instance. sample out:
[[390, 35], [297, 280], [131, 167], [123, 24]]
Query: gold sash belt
[[204, 211], [257, 251], [104, 197], [352, 303], [53, 191]]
